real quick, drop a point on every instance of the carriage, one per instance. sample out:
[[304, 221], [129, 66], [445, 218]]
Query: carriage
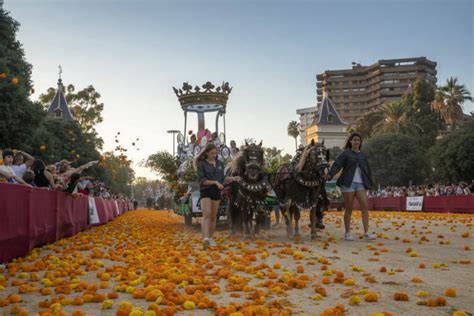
[[200, 100]]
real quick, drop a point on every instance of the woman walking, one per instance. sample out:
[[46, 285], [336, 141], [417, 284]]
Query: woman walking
[[354, 182], [210, 172]]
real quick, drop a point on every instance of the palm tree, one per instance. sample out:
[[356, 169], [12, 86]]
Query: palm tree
[[294, 131], [449, 101], [395, 119]]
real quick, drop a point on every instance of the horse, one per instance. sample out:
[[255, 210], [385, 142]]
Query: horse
[[300, 184], [247, 196]]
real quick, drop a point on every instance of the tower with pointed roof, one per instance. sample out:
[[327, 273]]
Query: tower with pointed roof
[[327, 126], [58, 107]]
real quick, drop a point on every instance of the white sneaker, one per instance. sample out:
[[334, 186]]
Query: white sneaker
[[369, 236], [348, 237], [206, 242]]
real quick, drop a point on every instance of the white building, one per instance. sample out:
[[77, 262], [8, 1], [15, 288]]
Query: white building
[[327, 126], [307, 117]]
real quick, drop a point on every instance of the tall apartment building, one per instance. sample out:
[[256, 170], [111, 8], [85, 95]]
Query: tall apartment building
[[356, 90], [307, 117]]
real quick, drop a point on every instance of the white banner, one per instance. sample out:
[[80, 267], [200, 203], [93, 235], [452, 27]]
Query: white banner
[[93, 214], [117, 213], [196, 209], [414, 203]]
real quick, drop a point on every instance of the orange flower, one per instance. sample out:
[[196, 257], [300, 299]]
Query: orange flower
[[338, 310], [417, 280], [450, 292], [400, 296], [371, 297]]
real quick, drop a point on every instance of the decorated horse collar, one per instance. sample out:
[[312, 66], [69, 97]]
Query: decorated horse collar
[[253, 187], [307, 183]]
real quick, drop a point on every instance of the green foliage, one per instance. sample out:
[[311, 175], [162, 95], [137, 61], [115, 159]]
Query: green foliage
[[164, 164], [334, 152], [190, 174], [421, 113], [366, 123], [396, 119], [19, 116], [117, 173], [449, 101], [293, 130], [452, 156], [274, 158], [395, 159], [62, 140]]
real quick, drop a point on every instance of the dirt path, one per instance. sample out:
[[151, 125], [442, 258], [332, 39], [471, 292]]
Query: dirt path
[[150, 260]]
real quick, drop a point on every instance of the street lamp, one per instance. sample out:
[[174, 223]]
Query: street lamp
[[174, 132]]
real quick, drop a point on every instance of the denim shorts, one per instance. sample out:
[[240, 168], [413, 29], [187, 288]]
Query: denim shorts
[[355, 186]]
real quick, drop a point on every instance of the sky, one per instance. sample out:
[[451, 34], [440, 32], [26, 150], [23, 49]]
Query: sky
[[133, 52]]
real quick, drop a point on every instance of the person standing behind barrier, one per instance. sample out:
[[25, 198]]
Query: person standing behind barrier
[[210, 172], [354, 182]]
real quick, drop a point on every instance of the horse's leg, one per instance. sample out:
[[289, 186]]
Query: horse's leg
[[245, 223], [323, 203], [297, 215], [312, 215], [289, 220], [239, 222], [319, 216], [250, 224], [256, 228], [231, 210]]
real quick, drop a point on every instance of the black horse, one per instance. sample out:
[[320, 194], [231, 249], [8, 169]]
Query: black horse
[[247, 197], [300, 184]]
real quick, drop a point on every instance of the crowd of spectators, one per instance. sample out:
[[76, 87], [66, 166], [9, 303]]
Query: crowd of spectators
[[463, 188], [19, 167]]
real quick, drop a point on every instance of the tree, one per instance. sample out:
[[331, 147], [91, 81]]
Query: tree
[[19, 116], [294, 131], [366, 123], [164, 164], [57, 139], [449, 101], [395, 159], [452, 156], [117, 173], [85, 105], [274, 158], [335, 151], [421, 113], [395, 119]]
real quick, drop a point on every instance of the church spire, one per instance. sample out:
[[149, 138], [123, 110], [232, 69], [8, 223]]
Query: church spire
[[58, 107]]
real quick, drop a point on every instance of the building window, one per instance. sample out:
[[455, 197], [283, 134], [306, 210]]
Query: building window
[[59, 113]]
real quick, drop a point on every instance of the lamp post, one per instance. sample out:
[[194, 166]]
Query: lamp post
[[174, 132]]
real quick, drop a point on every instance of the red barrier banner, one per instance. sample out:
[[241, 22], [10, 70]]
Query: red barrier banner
[[43, 217], [32, 217], [440, 204], [14, 221]]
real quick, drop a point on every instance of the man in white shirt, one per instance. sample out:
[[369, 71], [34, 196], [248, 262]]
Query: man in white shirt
[[22, 161]]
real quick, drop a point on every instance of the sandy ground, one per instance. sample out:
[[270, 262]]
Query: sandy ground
[[147, 243]]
